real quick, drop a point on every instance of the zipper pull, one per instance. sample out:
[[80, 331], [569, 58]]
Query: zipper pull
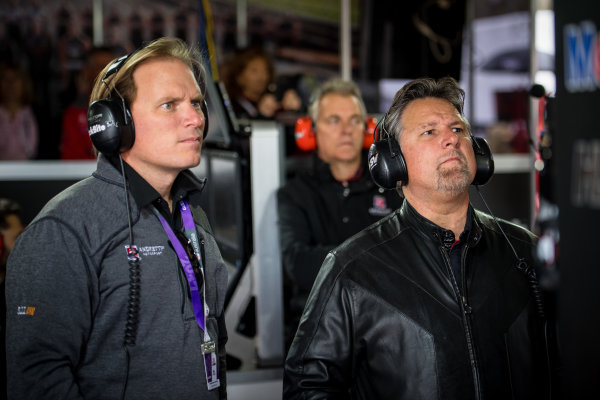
[[202, 255], [466, 306]]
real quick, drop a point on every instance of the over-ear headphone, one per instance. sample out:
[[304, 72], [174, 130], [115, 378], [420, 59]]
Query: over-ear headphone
[[306, 139], [387, 164], [110, 124]]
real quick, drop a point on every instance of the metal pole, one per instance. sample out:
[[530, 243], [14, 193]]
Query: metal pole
[[345, 41], [97, 26], [533, 116], [471, 80], [242, 23]]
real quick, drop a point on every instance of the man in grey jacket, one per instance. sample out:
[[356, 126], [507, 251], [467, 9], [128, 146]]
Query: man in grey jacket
[[116, 289]]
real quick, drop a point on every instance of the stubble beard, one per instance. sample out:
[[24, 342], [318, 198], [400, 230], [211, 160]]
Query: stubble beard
[[456, 179]]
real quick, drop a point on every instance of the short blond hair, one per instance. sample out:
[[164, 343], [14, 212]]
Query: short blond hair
[[165, 47]]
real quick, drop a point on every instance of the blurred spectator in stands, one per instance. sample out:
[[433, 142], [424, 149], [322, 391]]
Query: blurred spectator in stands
[[9, 48], [10, 227], [37, 47], [75, 141], [18, 125], [250, 82]]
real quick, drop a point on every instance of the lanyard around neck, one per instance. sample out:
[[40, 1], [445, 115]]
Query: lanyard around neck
[[190, 232]]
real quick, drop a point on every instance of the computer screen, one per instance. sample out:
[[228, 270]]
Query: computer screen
[[226, 204], [222, 121]]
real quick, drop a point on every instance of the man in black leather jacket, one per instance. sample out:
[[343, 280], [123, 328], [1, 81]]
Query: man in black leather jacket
[[334, 198], [431, 301]]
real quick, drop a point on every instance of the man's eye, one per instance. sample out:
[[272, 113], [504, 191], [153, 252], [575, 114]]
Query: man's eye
[[197, 105], [166, 106], [429, 132]]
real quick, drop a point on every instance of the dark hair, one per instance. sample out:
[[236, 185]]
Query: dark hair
[[97, 50], [8, 207], [238, 63], [89, 55], [445, 88]]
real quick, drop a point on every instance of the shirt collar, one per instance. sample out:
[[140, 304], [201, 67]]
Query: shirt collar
[[144, 194], [323, 169]]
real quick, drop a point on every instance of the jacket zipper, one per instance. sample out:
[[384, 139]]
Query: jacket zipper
[[203, 267], [182, 284], [466, 310], [467, 316], [185, 289], [202, 257]]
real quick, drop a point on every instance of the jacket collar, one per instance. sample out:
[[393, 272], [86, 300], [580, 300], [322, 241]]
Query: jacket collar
[[186, 184], [433, 231], [322, 170]]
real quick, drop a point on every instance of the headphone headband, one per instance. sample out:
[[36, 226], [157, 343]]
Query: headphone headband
[[117, 64]]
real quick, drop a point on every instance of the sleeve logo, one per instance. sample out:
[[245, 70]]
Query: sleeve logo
[[25, 310]]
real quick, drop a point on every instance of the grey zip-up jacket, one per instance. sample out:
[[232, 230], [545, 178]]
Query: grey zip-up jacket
[[67, 296]]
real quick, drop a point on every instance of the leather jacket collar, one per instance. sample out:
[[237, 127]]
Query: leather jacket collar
[[432, 231]]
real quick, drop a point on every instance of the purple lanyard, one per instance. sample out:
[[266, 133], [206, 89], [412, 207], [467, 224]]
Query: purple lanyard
[[190, 228]]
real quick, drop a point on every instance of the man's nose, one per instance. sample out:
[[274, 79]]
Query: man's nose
[[195, 116], [349, 127], [449, 137]]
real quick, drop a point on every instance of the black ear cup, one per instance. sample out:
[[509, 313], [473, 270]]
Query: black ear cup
[[484, 160], [109, 121], [387, 164], [110, 126], [205, 112]]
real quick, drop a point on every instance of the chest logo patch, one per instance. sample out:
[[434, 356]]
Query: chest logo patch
[[379, 207], [135, 252], [152, 250]]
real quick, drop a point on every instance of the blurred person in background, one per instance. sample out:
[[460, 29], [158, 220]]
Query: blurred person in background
[[334, 199], [18, 124], [249, 78], [75, 141]]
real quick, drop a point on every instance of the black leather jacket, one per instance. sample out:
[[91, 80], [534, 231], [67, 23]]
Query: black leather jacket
[[386, 319]]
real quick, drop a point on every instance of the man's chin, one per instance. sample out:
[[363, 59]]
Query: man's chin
[[455, 180], [348, 156], [190, 162]]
